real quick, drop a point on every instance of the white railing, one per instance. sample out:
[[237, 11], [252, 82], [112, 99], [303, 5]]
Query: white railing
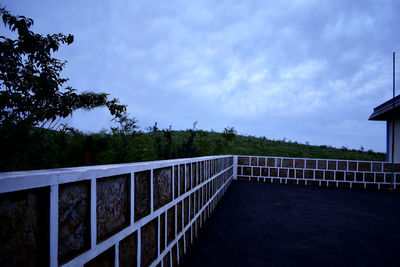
[[87, 214]]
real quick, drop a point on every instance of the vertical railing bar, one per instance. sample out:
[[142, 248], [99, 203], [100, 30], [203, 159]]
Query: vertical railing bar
[[93, 219], [54, 225]]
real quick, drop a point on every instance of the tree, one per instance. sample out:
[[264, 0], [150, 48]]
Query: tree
[[189, 148], [167, 150], [126, 128], [229, 133], [204, 144], [33, 96], [154, 128], [31, 92]]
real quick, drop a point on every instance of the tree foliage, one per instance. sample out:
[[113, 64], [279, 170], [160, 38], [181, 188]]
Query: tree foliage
[[126, 144], [126, 128], [229, 133], [31, 87], [34, 97]]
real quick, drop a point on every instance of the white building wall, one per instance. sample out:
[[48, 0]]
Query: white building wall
[[396, 140]]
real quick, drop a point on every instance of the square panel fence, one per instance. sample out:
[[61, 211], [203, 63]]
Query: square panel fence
[[318, 172]]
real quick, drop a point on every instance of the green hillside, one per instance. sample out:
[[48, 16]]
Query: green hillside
[[260, 146], [55, 149]]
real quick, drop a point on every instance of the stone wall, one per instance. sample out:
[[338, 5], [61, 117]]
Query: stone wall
[[139, 214], [318, 172]]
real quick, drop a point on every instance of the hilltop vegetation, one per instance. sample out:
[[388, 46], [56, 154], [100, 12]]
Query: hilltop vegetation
[[54, 149]]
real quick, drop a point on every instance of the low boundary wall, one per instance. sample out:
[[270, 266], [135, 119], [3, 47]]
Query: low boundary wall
[[318, 172], [139, 214], [144, 214]]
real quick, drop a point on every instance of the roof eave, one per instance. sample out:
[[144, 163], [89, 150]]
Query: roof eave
[[383, 112]]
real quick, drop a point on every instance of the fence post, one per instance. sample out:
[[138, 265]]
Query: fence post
[[235, 164]]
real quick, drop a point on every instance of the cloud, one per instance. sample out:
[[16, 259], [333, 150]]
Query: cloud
[[304, 70]]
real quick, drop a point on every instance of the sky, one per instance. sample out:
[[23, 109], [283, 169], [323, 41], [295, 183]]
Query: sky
[[304, 71]]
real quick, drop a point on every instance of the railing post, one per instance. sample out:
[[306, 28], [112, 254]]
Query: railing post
[[54, 225], [235, 164]]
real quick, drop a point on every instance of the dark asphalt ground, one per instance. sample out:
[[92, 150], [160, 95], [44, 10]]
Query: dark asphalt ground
[[258, 224]]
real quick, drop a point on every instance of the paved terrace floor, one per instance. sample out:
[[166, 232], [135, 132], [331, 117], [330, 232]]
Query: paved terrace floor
[[258, 224]]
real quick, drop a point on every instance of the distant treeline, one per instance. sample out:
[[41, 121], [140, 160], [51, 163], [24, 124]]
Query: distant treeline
[[43, 148]]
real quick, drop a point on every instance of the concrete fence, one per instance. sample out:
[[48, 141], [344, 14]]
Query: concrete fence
[[318, 172], [139, 214]]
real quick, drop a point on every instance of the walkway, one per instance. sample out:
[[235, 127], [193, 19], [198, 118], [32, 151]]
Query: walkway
[[259, 224]]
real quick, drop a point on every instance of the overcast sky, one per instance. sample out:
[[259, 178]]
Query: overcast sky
[[307, 71]]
